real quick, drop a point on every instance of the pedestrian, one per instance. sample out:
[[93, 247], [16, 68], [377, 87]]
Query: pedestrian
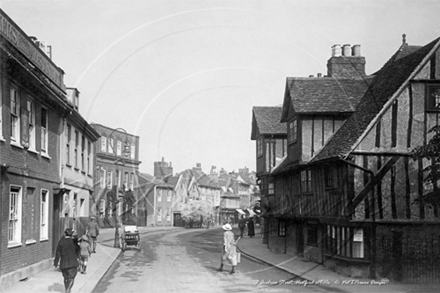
[[67, 256], [85, 253], [229, 248], [251, 227], [92, 232], [242, 225]]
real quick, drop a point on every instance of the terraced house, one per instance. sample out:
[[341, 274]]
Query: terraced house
[[348, 194], [34, 112]]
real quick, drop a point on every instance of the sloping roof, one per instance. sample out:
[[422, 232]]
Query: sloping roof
[[267, 120], [323, 95], [385, 84]]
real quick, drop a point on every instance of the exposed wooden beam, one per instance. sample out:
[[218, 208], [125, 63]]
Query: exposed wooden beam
[[369, 186]]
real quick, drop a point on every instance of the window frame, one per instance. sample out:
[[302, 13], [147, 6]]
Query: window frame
[[15, 238], [31, 121], [75, 150], [44, 214], [306, 181], [430, 106], [44, 131], [260, 146], [68, 144], [292, 131], [15, 116], [103, 144]]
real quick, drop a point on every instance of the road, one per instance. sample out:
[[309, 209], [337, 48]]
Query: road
[[187, 261]]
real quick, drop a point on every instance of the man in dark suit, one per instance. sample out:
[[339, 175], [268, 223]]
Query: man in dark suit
[[68, 252]]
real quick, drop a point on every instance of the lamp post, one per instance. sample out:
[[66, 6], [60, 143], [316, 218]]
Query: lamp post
[[119, 193]]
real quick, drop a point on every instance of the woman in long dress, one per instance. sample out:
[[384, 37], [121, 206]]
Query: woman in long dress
[[251, 227], [229, 250]]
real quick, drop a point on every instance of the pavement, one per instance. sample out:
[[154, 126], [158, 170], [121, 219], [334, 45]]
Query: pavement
[[310, 274]]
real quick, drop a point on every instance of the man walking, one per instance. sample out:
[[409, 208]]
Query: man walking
[[67, 256], [92, 231]]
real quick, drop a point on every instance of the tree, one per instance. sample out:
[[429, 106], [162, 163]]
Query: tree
[[128, 201], [430, 151], [195, 211]]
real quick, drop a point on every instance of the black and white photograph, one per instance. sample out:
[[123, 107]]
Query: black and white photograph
[[219, 146]]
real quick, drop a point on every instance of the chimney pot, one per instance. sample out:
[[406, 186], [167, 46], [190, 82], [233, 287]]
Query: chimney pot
[[356, 50], [311, 75], [319, 75], [336, 50], [346, 50]]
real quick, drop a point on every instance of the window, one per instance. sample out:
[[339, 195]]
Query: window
[[306, 181], [282, 228], [344, 241], [159, 214], [433, 102], [358, 243], [74, 206], [89, 155], [103, 144], [75, 151], [132, 151], [118, 148], [271, 188], [111, 145], [292, 128], [159, 195], [44, 214], [126, 181], [168, 195], [168, 215], [82, 207], [109, 179], [83, 150], [15, 116], [259, 147], [132, 181], [102, 181], [15, 209], [31, 120], [44, 130], [68, 138]]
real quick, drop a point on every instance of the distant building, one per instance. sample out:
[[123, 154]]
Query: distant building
[[117, 169]]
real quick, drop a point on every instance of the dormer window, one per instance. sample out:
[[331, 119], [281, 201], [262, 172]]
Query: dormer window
[[292, 131], [433, 100], [259, 147]]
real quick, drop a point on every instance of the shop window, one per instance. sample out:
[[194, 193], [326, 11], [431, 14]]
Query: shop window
[[433, 98]]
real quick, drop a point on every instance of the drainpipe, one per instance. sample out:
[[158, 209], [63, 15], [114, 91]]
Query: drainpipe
[[373, 220], [154, 206]]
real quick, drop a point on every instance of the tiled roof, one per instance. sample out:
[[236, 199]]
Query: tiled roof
[[385, 84], [324, 94], [267, 120]]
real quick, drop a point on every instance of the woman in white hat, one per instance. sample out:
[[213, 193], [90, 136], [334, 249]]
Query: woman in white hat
[[229, 250]]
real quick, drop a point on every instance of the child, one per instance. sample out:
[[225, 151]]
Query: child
[[85, 253]]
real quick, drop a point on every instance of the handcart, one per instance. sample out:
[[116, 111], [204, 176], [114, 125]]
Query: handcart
[[130, 238]]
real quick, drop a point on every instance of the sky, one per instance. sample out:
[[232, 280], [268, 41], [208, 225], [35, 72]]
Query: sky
[[184, 75]]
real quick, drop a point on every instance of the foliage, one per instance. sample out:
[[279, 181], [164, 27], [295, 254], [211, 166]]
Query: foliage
[[430, 151], [196, 210]]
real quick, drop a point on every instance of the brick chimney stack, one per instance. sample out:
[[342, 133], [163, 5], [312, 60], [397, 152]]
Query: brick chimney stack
[[162, 169], [346, 62]]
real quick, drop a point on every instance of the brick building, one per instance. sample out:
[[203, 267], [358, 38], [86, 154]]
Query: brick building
[[117, 170], [33, 103]]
